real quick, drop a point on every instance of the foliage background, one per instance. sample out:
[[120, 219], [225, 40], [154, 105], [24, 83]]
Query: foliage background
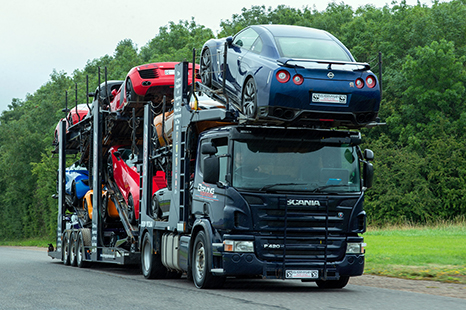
[[420, 154]]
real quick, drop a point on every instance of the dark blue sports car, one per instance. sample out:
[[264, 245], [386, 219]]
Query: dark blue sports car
[[297, 75]]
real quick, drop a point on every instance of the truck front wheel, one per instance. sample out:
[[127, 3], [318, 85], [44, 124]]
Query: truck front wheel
[[201, 262], [151, 263]]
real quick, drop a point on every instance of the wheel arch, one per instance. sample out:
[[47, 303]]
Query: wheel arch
[[200, 225]]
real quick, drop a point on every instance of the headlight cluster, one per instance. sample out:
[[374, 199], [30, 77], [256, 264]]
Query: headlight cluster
[[355, 248], [238, 246]]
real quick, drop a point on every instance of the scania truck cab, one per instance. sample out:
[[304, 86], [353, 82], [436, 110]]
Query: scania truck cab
[[282, 202]]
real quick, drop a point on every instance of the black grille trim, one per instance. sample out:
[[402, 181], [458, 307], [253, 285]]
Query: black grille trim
[[148, 74]]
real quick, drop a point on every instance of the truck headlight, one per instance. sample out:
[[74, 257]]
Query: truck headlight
[[238, 246], [355, 248]]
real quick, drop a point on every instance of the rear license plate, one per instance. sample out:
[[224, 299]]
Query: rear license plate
[[169, 72], [302, 274], [328, 98]]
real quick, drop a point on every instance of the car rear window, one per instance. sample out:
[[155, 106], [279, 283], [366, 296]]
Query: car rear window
[[310, 48]]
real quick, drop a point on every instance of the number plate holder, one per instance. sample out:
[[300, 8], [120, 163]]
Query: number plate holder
[[302, 274], [329, 98]]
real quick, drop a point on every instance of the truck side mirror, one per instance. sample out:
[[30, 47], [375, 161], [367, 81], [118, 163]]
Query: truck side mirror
[[368, 154], [368, 174], [208, 149], [211, 169]]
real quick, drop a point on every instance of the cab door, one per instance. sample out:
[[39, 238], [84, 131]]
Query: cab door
[[209, 198]]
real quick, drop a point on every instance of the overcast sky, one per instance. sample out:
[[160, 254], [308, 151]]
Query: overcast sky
[[38, 36]]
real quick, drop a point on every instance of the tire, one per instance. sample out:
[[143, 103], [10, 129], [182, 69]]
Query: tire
[[104, 213], [206, 68], [340, 283], [131, 210], [74, 195], [249, 99], [80, 254], [73, 243], [130, 94], [151, 264], [155, 208], [87, 217], [201, 262], [66, 248]]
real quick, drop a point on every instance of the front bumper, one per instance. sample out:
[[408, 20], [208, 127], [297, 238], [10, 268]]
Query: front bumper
[[247, 264]]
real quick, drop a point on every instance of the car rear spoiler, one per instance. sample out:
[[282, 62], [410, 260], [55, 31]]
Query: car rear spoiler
[[361, 66]]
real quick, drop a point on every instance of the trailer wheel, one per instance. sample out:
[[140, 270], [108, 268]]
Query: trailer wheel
[[151, 264], [80, 251], [340, 283], [66, 248], [249, 99], [201, 262], [73, 261], [206, 67]]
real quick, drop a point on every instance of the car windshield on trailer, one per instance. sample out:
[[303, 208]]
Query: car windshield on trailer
[[311, 48], [291, 166]]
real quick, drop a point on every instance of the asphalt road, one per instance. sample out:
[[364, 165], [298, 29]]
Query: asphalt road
[[29, 279]]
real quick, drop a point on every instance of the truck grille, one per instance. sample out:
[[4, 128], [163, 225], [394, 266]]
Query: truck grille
[[304, 233]]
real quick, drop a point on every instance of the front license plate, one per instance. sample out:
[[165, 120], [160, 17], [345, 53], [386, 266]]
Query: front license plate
[[302, 274], [328, 98]]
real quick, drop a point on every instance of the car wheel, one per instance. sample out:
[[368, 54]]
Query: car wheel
[[130, 94], [206, 67], [74, 195], [87, 217], [131, 211], [66, 248], [109, 171], [156, 210], [151, 264], [249, 99], [201, 262], [104, 212], [340, 283]]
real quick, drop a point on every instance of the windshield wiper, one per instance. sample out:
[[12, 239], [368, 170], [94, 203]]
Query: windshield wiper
[[269, 186], [321, 188]]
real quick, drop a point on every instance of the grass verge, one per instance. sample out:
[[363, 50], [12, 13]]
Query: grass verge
[[43, 243], [436, 252]]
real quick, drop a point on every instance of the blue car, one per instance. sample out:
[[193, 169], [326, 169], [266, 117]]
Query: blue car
[[76, 185], [296, 75]]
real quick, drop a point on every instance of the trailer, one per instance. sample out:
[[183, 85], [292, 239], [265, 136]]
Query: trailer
[[243, 198]]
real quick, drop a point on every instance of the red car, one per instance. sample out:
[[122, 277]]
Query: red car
[[122, 169], [149, 82], [75, 115]]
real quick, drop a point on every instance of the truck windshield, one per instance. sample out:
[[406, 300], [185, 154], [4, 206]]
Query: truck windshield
[[288, 166]]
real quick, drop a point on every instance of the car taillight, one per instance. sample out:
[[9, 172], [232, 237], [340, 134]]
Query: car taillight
[[359, 83], [370, 81], [298, 79], [283, 76]]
